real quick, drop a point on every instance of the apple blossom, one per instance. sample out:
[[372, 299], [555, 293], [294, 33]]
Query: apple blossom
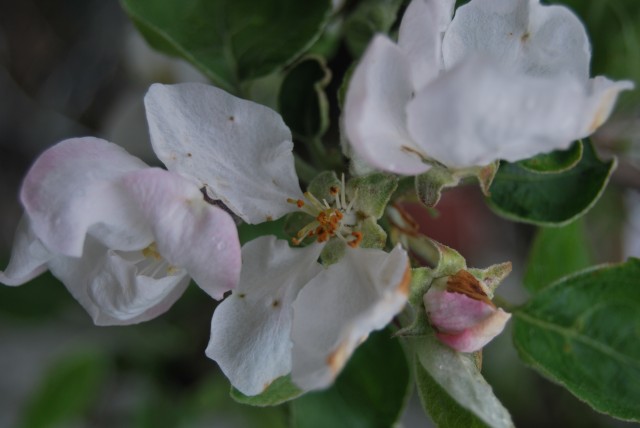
[[289, 314], [461, 312], [503, 79], [124, 238]]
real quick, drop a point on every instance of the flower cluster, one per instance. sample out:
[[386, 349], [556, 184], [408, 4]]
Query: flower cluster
[[502, 79]]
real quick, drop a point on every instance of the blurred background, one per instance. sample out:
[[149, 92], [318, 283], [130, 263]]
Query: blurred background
[[77, 67]]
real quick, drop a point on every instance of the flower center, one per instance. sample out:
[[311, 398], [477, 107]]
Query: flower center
[[336, 219]]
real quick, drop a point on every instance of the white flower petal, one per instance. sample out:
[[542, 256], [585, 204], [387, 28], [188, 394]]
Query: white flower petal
[[537, 40], [375, 118], [70, 191], [250, 330], [28, 256], [241, 151], [119, 288], [602, 95], [420, 37], [189, 232], [338, 309], [476, 113]]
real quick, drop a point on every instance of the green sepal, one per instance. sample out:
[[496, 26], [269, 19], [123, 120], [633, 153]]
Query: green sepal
[[333, 251], [321, 185], [555, 162], [492, 276], [372, 193], [373, 235], [280, 391], [429, 186], [302, 99]]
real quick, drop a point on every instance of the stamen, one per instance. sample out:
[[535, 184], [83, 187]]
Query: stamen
[[328, 219], [356, 242]]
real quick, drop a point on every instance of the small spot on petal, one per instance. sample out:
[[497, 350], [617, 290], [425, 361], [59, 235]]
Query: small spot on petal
[[242, 295], [275, 303], [269, 218], [403, 286], [337, 358], [525, 37], [189, 155], [232, 118]]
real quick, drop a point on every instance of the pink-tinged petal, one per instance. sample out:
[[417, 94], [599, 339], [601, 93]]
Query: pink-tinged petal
[[69, 192], [477, 113], [420, 37], [454, 312], [28, 256], [119, 288], [250, 330], [537, 40], [337, 310], [475, 338], [241, 151], [374, 111], [189, 232]]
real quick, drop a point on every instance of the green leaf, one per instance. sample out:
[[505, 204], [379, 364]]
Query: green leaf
[[68, 389], [280, 391], [443, 409], [452, 389], [556, 252], [302, 99], [231, 41], [583, 332], [554, 162], [370, 392], [248, 232], [369, 17], [550, 199]]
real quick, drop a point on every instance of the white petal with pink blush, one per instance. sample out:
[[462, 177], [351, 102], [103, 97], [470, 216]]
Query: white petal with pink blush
[[123, 237]]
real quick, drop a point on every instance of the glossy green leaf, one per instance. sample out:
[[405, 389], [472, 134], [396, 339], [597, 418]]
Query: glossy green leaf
[[584, 333], [67, 391], [370, 392], [302, 99], [556, 252], [554, 162], [231, 41], [452, 389], [280, 391], [550, 199], [369, 17]]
